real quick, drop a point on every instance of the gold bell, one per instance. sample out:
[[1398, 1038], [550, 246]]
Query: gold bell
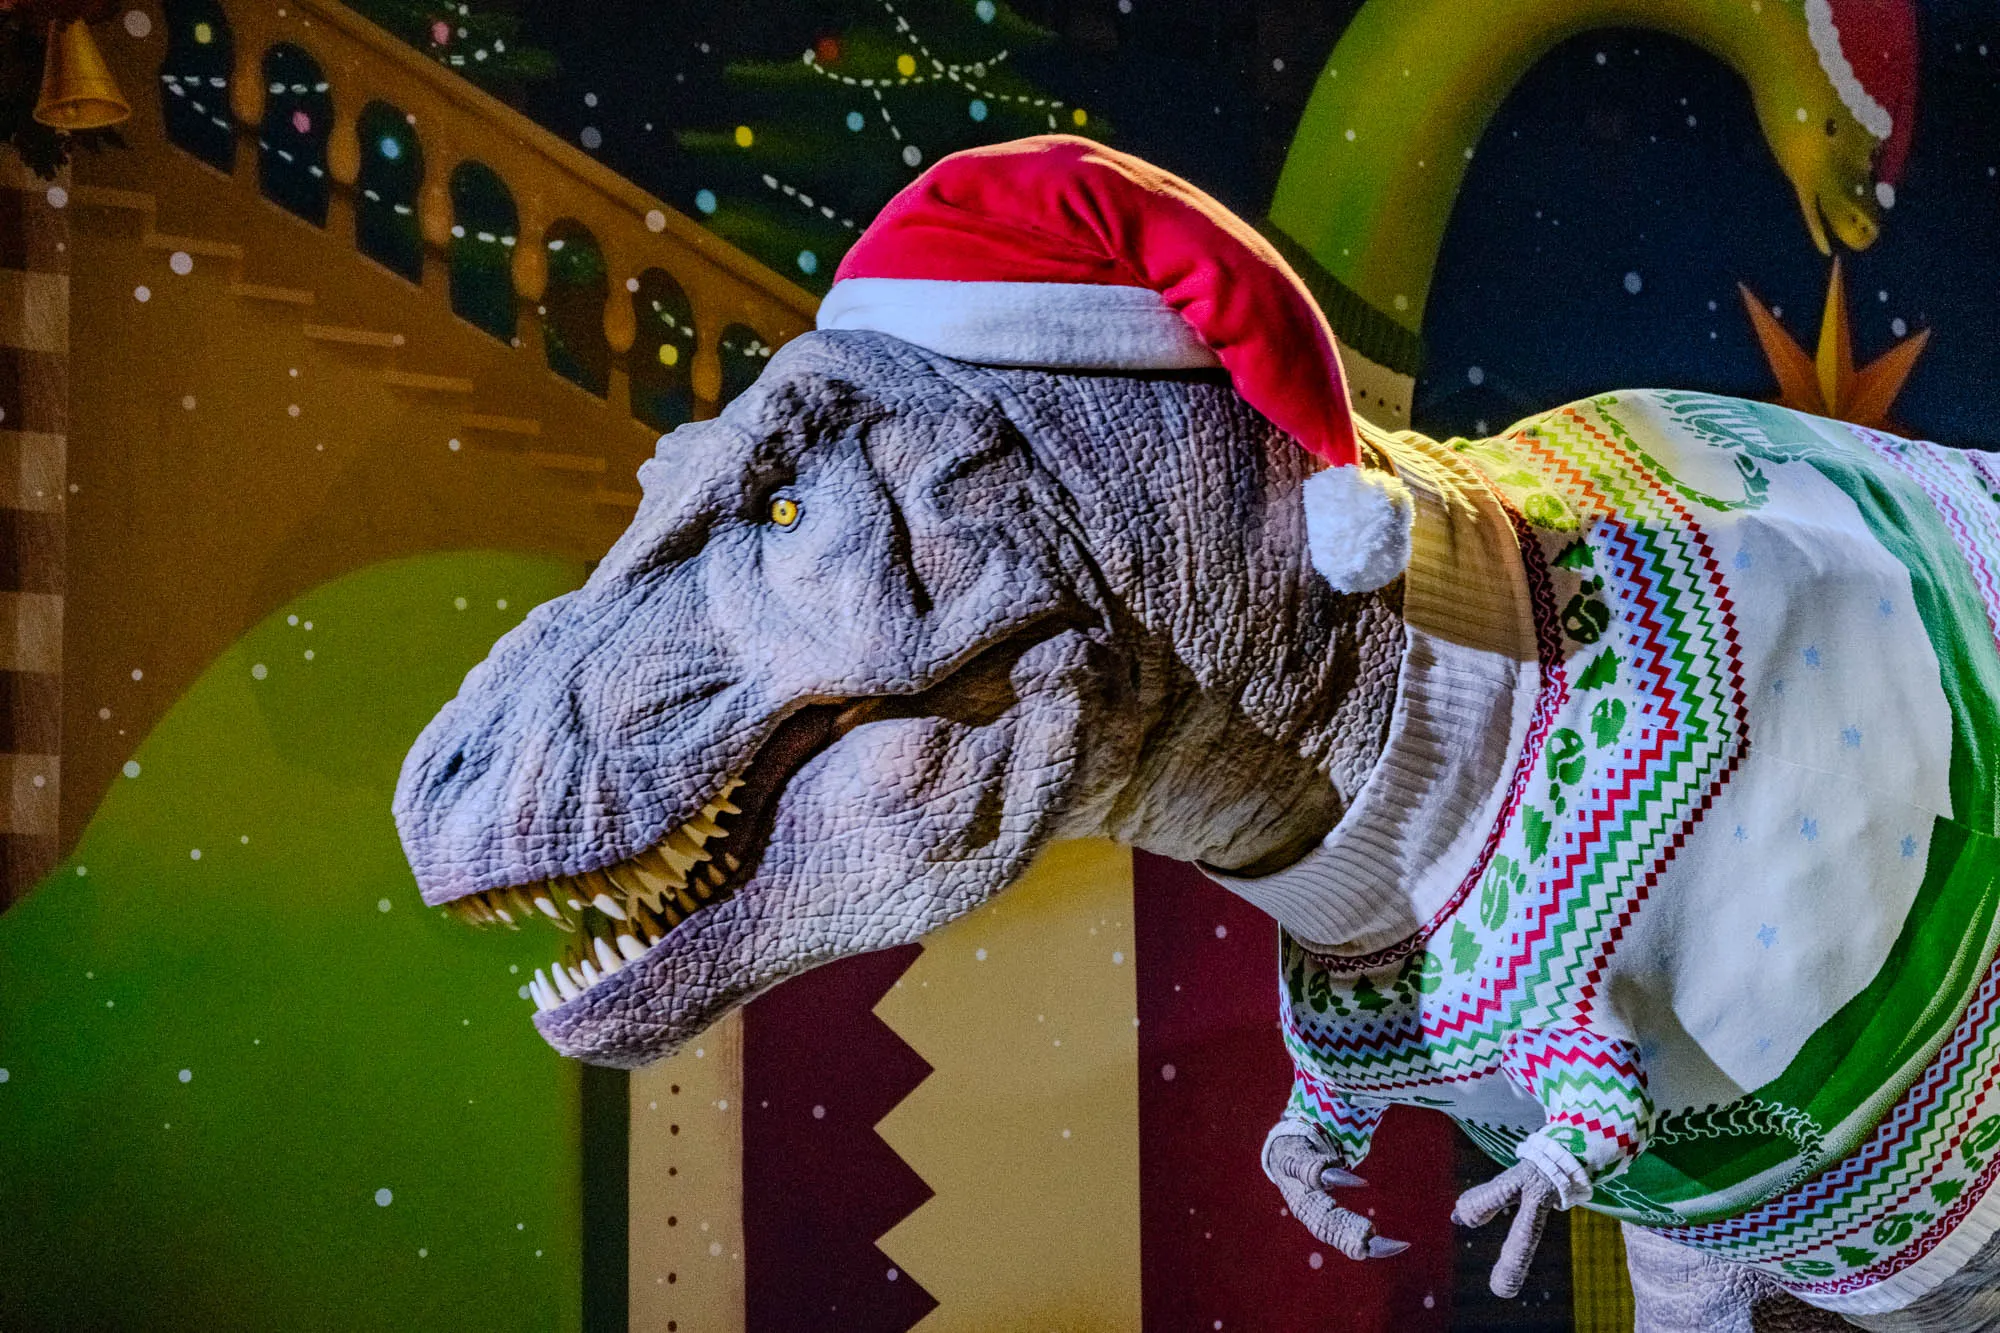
[[78, 92]]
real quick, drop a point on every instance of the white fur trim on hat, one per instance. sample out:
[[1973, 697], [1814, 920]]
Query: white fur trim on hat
[[1064, 325], [1358, 526], [1833, 62]]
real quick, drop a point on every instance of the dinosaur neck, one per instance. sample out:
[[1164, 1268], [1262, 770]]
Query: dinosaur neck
[[1374, 168], [1252, 699]]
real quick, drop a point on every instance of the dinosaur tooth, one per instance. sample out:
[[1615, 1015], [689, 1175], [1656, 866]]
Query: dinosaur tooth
[[631, 948], [566, 988], [540, 993], [604, 903], [624, 883], [606, 957], [678, 853], [518, 901], [548, 908], [590, 973], [729, 859], [656, 874]]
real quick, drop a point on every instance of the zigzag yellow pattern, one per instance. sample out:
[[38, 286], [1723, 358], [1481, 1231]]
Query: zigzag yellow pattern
[[1029, 1128]]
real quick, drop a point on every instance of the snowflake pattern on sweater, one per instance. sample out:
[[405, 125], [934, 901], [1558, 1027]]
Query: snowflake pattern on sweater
[[1728, 950]]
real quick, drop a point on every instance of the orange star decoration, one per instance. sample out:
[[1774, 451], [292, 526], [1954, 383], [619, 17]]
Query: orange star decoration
[[1828, 385]]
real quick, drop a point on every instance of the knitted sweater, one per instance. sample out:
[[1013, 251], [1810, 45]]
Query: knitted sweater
[[1678, 874]]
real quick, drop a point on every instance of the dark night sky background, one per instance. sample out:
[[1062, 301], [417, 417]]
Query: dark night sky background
[[1588, 173]]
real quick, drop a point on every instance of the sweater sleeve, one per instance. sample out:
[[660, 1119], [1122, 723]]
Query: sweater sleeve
[[1592, 1089], [1316, 1103]]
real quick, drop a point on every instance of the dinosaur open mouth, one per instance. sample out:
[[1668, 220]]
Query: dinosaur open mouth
[[614, 914]]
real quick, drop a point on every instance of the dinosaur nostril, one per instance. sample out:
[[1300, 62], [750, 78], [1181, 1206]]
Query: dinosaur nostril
[[451, 767]]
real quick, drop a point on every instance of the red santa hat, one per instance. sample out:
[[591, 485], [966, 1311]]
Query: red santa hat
[[1060, 253], [1868, 51]]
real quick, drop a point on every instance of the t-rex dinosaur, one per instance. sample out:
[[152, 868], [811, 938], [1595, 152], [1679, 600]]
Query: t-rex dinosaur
[[1645, 826]]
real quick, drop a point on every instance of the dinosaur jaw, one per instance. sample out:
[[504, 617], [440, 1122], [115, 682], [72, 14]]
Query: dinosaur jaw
[[771, 874], [616, 914]]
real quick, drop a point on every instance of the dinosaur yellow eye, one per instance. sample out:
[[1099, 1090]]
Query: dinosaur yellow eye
[[784, 512]]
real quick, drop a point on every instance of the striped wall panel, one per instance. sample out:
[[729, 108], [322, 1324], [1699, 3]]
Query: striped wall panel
[[34, 421]]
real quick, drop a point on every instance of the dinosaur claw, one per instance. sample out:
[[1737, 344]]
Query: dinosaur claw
[[1338, 1178], [1381, 1247]]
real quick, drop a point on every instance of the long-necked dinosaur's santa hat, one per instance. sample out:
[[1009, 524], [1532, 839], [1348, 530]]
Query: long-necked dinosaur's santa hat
[[1060, 253], [1868, 51]]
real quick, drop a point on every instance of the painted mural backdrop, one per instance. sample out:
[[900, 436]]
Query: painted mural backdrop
[[357, 365]]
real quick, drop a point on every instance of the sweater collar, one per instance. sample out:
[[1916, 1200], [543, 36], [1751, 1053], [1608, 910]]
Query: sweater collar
[[1464, 697]]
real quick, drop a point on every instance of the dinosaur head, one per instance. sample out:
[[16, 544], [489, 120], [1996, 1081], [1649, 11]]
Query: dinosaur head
[[1830, 160], [1840, 123], [827, 693]]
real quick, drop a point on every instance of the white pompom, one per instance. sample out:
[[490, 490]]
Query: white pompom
[[1358, 527]]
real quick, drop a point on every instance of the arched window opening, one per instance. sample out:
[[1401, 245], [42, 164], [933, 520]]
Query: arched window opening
[[194, 82], [483, 225], [662, 358], [573, 307], [385, 203], [291, 143], [744, 353]]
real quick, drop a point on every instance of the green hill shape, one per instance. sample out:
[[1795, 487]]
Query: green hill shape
[[334, 1046]]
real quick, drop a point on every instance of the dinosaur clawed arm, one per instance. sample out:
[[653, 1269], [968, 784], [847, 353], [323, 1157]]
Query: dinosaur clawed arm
[[1531, 1195], [1307, 1170], [1599, 1116]]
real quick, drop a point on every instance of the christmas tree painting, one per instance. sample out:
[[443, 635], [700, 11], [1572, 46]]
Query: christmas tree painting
[[810, 149], [482, 43]]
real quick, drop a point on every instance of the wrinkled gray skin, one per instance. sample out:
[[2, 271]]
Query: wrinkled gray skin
[[1051, 605]]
